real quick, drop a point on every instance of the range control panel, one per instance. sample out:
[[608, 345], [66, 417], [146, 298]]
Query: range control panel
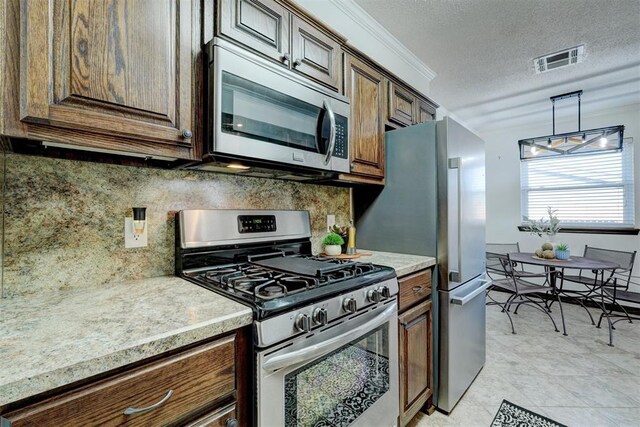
[[256, 223]]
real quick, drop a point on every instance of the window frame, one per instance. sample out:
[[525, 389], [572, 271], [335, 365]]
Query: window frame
[[577, 227]]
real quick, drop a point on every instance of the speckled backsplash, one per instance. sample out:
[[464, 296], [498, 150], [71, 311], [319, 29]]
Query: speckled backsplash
[[64, 219]]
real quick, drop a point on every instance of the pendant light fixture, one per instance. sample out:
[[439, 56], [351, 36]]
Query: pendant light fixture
[[571, 143]]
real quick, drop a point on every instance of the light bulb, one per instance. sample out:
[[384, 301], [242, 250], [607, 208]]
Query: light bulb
[[603, 142], [534, 151]]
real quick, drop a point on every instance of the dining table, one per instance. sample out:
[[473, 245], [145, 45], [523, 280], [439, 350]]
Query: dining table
[[603, 272]]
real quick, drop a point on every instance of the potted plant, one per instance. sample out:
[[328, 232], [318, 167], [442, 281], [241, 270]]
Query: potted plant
[[546, 227], [562, 251], [332, 242]]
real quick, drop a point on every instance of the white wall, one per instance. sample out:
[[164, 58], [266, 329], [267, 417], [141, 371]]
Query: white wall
[[503, 183]]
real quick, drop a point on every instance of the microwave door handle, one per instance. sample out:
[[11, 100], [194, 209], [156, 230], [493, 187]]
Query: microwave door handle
[[332, 134], [327, 346]]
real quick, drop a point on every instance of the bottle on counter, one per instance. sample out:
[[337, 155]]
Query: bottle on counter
[[351, 243]]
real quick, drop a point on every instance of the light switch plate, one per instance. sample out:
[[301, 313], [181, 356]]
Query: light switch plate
[[131, 240], [331, 221]]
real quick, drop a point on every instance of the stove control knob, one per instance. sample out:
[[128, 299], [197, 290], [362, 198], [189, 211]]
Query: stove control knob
[[373, 295], [350, 305], [303, 323], [320, 316], [384, 291]]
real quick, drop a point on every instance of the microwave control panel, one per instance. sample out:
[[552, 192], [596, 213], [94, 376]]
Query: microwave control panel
[[340, 148], [256, 223]]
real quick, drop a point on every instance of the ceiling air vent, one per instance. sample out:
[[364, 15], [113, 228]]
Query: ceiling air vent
[[561, 59]]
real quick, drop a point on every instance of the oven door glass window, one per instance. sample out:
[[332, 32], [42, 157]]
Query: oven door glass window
[[338, 388], [258, 112]]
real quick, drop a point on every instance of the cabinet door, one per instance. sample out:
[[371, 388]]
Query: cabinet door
[[220, 417], [112, 68], [365, 88], [425, 112], [416, 364], [262, 25], [315, 54], [400, 105]]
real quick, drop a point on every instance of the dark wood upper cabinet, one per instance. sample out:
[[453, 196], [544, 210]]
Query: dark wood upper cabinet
[[364, 86], [262, 25], [276, 32], [424, 112], [401, 105], [120, 71], [315, 54], [416, 364]]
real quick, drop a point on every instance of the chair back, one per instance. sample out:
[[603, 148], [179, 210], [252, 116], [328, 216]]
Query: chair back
[[624, 259], [496, 253]]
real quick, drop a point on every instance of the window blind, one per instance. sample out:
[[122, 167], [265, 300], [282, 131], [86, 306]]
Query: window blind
[[588, 190]]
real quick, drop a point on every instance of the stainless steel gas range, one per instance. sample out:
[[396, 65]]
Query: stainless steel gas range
[[325, 330]]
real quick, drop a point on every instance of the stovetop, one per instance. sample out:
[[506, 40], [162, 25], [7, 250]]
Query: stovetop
[[262, 258], [273, 285]]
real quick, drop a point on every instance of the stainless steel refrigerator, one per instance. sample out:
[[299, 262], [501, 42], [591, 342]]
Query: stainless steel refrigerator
[[433, 204]]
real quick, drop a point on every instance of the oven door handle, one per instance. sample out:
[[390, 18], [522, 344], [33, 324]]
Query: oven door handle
[[327, 346]]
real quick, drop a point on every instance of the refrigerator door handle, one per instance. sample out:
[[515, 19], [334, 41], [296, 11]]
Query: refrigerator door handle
[[456, 163], [465, 299]]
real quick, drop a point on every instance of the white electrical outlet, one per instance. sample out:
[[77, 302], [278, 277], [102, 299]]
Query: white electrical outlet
[[134, 240], [331, 221]]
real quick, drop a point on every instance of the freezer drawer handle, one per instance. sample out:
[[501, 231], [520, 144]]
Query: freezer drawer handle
[[472, 295]]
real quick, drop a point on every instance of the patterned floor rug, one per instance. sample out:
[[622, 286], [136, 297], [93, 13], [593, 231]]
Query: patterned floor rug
[[513, 415]]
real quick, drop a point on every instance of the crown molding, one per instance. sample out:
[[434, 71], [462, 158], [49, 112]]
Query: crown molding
[[381, 35]]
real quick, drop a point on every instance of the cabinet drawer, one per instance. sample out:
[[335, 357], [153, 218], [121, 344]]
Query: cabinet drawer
[[195, 378], [414, 288]]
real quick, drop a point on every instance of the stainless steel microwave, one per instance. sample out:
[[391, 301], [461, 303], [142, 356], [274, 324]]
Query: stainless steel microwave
[[261, 112]]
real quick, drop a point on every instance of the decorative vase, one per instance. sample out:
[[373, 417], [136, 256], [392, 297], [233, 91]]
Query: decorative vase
[[563, 254], [332, 250], [552, 241]]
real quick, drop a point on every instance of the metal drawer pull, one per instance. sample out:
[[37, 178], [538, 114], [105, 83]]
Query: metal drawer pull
[[417, 289], [134, 411]]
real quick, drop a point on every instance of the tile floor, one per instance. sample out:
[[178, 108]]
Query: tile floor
[[577, 380]]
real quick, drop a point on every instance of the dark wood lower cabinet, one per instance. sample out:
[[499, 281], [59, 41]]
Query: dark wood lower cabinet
[[416, 358], [196, 387]]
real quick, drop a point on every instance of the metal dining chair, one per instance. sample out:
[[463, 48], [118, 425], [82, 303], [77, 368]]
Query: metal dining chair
[[495, 270], [495, 254], [615, 288], [522, 292]]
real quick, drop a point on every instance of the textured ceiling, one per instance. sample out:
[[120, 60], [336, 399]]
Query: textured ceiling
[[483, 50]]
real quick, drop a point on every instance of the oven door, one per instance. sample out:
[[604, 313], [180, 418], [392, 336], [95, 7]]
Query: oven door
[[265, 112], [344, 375]]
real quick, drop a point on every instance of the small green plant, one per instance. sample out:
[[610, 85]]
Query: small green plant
[[333, 239], [562, 247], [549, 227]]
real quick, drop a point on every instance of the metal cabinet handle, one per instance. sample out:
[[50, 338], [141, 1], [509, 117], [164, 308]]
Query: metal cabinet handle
[[296, 63], [187, 134], [417, 289], [231, 422], [285, 59], [134, 411]]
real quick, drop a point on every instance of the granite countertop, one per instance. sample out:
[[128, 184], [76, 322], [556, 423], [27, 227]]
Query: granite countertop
[[403, 263], [56, 338]]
